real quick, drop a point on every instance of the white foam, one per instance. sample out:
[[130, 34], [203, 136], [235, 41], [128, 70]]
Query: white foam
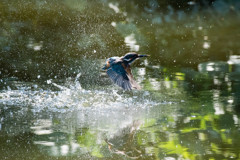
[[73, 97]]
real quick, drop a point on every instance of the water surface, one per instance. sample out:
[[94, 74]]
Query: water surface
[[179, 113]]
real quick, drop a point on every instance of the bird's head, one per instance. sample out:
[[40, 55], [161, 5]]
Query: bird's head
[[130, 57]]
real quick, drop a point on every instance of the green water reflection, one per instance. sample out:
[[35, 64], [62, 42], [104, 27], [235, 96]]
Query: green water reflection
[[55, 103]]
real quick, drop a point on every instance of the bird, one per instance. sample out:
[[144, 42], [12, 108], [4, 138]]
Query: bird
[[119, 71]]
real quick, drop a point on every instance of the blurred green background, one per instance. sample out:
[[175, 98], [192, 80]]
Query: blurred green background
[[52, 38]]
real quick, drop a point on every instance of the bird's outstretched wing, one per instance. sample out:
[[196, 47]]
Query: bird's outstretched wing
[[122, 76]]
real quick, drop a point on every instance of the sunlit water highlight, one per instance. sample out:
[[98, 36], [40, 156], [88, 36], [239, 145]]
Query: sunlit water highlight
[[74, 97]]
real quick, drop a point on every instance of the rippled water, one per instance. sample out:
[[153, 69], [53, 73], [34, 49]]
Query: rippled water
[[179, 113]]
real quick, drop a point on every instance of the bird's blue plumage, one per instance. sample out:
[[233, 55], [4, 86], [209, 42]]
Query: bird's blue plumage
[[118, 69], [118, 74]]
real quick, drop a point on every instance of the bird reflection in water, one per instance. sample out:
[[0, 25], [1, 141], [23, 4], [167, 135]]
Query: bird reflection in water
[[122, 143]]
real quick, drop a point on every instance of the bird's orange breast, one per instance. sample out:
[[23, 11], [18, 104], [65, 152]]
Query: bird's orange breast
[[127, 68], [107, 64]]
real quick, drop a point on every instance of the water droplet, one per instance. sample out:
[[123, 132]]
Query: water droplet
[[49, 81]]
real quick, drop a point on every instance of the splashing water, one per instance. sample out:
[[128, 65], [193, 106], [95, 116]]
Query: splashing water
[[73, 96]]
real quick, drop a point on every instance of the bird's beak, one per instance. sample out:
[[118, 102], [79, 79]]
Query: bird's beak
[[143, 55]]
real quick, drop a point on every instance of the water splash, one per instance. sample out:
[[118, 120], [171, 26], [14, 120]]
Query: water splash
[[71, 96]]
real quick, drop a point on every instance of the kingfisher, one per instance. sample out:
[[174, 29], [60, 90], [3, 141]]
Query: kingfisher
[[119, 71]]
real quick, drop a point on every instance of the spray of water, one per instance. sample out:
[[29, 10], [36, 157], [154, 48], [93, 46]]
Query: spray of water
[[72, 96]]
